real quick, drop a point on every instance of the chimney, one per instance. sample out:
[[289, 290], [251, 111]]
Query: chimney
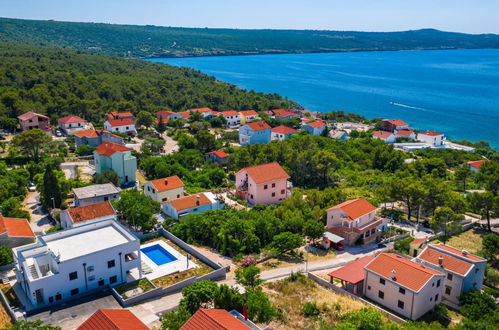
[[197, 200], [166, 182], [465, 253], [440, 260], [245, 312], [393, 274]]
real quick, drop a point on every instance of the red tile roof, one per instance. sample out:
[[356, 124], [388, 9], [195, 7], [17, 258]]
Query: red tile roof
[[459, 253], [164, 120], [352, 272], [397, 122], [121, 122], [219, 153], [249, 113], [258, 126], [92, 211], [119, 115], [418, 241], [87, 133], [276, 111], [109, 148], [265, 172], [71, 120], [15, 227], [317, 123], [451, 263], [283, 130], [214, 319], [188, 202], [431, 133], [355, 208], [229, 113], [185, 114], [285, 114], [476, 163], [382, 134], [169, 183], [164, 113], [113, 319], [30, 114], [408, 273], [404, 132], [201, 110]]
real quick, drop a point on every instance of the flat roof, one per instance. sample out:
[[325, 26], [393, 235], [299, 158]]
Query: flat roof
[[96, 190], [86, 242]]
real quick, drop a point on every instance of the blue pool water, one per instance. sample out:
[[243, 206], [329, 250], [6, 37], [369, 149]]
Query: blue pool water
[[452, 91], [158, 254]]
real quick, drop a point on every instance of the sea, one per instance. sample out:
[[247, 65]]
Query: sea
[[455, 92]]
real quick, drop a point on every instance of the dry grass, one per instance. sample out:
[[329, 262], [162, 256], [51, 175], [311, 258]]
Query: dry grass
[[5, 319], [290, 259], [470, 240], [289, 297], [141, 178]]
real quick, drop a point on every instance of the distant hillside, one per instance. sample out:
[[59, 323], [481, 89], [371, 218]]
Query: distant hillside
[[58, 82], [152, 41]]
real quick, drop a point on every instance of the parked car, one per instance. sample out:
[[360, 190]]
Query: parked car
[[31, 187], [58, 133]]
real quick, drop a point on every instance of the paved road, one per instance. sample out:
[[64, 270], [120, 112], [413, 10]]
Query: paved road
[[171, 145], [40, 220]]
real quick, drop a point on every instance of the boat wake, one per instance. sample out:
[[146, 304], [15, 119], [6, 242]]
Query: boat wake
[[407, 106]]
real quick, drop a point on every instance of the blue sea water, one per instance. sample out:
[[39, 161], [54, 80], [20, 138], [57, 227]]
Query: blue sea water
[[455, 92]]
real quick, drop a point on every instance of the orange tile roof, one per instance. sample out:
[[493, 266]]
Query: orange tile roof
[[92, 211], [285, 114], [258, 126], [382, 134], [249, 113], [431, 133], [121, 122], [214, 319], [418, 241], [397, 122], [408, 273], [184, 114], [87, 133], [283, 130], [164, 113], [219, 153], [113, 319], [30, 114], [404, 132], [276, 111], [352, 272], [265, 172], [15, 227], [188, 202], [164, 120], [109, 148], [201, 110], [119, 115], [476, 163], [317, 123], [71, 120], [355, 208], [229, 113], [169, 183], [451, 263], [459, 253]]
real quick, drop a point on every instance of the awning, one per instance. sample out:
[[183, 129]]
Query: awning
[[332, 237]]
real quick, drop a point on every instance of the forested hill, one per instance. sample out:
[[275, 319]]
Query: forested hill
[[57, 82], [135, 41]]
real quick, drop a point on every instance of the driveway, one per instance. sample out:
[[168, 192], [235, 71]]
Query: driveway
[[171, 145], [40, 220]]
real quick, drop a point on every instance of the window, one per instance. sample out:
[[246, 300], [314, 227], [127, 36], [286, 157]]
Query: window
[[476, 270], [438, 283], [110, 264], [265, 186], [164, 199], [273, 194], [51, 299], [400, 304], [436, 297], [113, 279], [282, 192], [367, 234], [431, 298], [101, 282], [73, 276], [74, 291], [448, 290], [58, 297], [368, 287], [148, 188], [153, 191], [273, 185], [251, 196], [381, 294], [402, 290], [449, 276], [106, 199], [373, 230], [382, 281]]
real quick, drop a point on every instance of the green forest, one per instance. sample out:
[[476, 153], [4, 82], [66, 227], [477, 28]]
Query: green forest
[[133, 41], [58, 82]]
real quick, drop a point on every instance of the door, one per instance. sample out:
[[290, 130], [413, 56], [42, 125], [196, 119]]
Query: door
[[39, 296]]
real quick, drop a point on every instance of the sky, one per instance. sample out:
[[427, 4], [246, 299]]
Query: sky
[[470, 16]]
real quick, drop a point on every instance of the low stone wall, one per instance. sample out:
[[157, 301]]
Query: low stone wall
[[7, 307], [393, 238], [330, 286]]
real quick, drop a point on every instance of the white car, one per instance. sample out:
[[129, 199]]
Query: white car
[[31, 187]]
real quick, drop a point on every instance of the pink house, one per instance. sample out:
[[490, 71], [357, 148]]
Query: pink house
[[263, 184], [30, 120]]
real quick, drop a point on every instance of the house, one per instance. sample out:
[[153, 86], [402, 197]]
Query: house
[[417, 246], [338, 135], [184, 114], [247, 116], [354, 220], [165, 189], [94, 137], [69, 263], [218, 156], [285, 115], [113, 319], [393, 125], [475, 165], [205, 112], [82, 215], [464, 272], [218, 319], [72, 124], [112, 156], [126, 126], [281, 133], [434, 139], [233, 118], [95, 194], [315, 128], [405, 133], [352, 275], [30, 120], [120, 115], [253, 133], [15, 232], [405, 287], [168, 115], [388, 137], [263, 184], [197, 203]]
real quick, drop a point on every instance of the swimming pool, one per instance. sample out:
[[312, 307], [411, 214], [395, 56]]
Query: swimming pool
[[158, 254]]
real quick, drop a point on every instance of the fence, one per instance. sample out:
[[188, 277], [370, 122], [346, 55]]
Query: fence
[[330, 286]]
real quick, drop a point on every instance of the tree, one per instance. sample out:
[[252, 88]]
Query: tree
[[198, 295], [153, 145], [53, 187], [484, 204], [161, 126], [445, 219], [31, 325], [462, 174], [249, 277], [31, 141], [476, 304], [490, 246], [313, 230], [5, 255], [206, 141], [259, 307], [137, 209], [286, 241], [489, 176], [145, 119], [12, 207], [228, 298], [174, 320], [107, 176], [84, 149]]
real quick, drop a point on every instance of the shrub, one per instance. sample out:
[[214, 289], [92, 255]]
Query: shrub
[[6, 255], [403, 245], [248, 261], [310, 309], [54, 229]]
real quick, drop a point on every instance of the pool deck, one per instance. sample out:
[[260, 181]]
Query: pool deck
[[179, 265]]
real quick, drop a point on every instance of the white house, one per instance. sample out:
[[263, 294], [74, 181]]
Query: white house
[[315, 128], [388, 137], [197, 203], [82, 215], [126, 125], [405, 133], [233, 118], [281, 133], [162, 190], [69, 263], [434, 139], [72, 124], [95, 194]]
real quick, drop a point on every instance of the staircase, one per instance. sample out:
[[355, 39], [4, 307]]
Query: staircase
[[33, 272]]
